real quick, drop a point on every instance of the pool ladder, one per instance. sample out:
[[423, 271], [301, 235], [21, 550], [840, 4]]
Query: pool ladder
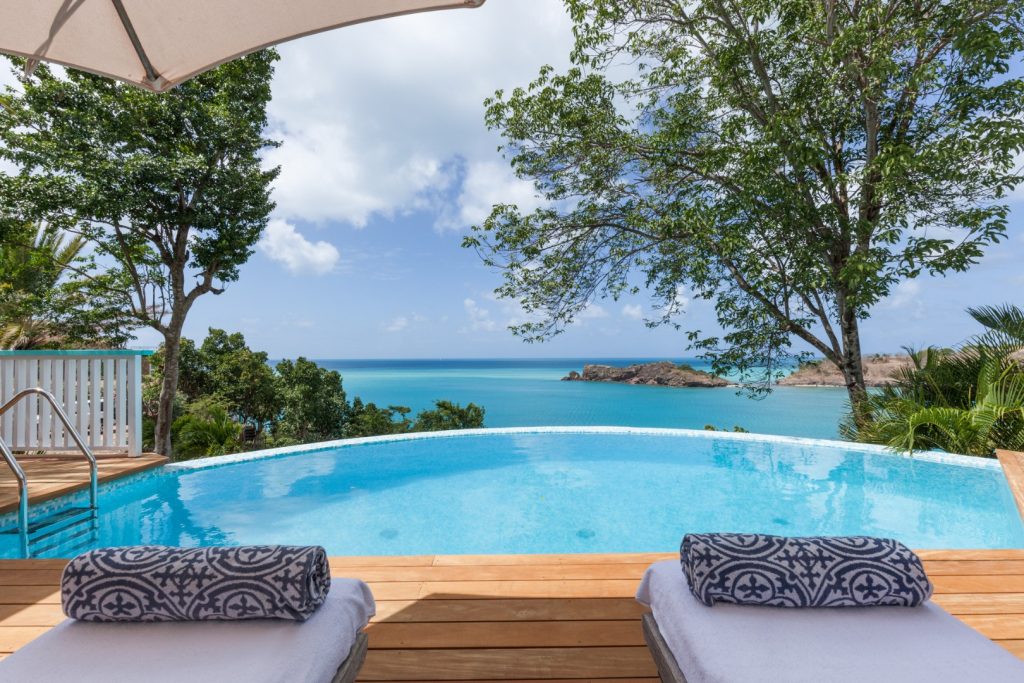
[[75, 525]]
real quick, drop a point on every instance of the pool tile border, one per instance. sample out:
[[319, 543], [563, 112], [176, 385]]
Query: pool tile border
[[235, 458]]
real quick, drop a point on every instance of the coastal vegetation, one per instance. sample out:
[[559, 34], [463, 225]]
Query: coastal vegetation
[[46, 296], [966, 400], [231, 399], [792, 162], [169, 189]]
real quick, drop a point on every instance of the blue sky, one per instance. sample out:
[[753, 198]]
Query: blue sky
[[386, 161]]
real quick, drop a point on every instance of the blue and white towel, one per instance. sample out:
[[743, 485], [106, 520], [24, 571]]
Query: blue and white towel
[[159, 583], [781, 571]]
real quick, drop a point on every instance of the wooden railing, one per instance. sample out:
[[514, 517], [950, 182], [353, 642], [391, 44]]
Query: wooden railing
[[101, 392]]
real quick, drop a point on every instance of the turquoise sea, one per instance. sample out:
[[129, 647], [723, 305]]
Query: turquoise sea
[[524, 393]]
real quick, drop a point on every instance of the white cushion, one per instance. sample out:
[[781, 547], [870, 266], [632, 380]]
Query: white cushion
[[264, 651], [745, 644]]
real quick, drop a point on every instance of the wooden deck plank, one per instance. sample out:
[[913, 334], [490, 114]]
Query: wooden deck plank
[[972, 554], [1014, 646], [981, 603], [500, 634], [548, 680], [52, 477], [1007, 583], [42, 614], [18, 565], [497, 664], [1013, 469], [973, 567], [504, 609], [552, 572], [596, 588], [571, 558], [997, 626], [30, 577]]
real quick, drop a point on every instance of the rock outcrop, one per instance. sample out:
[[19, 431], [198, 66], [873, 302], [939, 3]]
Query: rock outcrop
[[878, 372], [662, 373]]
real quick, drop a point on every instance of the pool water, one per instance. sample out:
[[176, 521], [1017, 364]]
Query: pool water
[[512, 491]]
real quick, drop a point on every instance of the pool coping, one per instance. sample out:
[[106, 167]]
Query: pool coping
[[927, 456]]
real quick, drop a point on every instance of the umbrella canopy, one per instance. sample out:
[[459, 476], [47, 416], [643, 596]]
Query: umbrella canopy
[[157, 44]]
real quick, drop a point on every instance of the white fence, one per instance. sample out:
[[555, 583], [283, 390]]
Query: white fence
[[101, 392]]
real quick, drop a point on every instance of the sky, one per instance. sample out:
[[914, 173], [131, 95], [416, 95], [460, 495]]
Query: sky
[[386, 162]]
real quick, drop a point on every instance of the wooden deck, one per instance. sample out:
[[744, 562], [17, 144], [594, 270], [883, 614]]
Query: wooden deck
[[1013, 468], [53, 476], [531, 617]]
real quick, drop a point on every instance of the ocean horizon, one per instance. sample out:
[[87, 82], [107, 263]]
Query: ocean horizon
[[529, 392]]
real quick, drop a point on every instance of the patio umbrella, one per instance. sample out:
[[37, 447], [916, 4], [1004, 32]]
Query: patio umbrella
[[156, 44]]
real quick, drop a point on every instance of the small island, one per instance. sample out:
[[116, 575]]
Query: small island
[[661, 373]]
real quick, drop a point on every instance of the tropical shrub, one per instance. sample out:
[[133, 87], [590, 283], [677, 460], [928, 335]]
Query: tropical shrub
[[968, 400], [206, 429], [448, 415], [366, 419], [46, 293]]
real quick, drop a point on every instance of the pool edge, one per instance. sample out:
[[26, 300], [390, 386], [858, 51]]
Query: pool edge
[[928, 456]]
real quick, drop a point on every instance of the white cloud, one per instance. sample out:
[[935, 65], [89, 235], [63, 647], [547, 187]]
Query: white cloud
[[488, 183], [281, 242], [479, 318], [592, 312], [397, 324], [905, 294], [375, 118], [634, 311]]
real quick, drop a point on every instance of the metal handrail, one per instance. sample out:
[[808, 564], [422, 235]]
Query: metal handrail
[[19, 473]]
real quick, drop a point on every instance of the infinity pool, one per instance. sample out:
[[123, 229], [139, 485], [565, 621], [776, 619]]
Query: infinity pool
[[579, 490]]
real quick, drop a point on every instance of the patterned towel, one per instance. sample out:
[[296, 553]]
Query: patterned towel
[[778, 571], [158, 583]]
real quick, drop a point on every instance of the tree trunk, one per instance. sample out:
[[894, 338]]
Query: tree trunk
[[168, 390], [852, 364]]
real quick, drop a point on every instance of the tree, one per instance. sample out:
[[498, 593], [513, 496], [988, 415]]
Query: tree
[[46, 298], [224, 369], [241, 378], [792, 161], [314, 403], [448, 415], [366, 419], [169, 187]]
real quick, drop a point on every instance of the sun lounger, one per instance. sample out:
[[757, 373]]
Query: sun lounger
[[327, 648], [693, 643]]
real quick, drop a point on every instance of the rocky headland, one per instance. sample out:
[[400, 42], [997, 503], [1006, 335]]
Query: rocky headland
[[878, 372], [661, 373]]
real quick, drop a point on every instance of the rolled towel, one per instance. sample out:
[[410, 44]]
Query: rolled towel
[[159, 583], [822, 571]]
